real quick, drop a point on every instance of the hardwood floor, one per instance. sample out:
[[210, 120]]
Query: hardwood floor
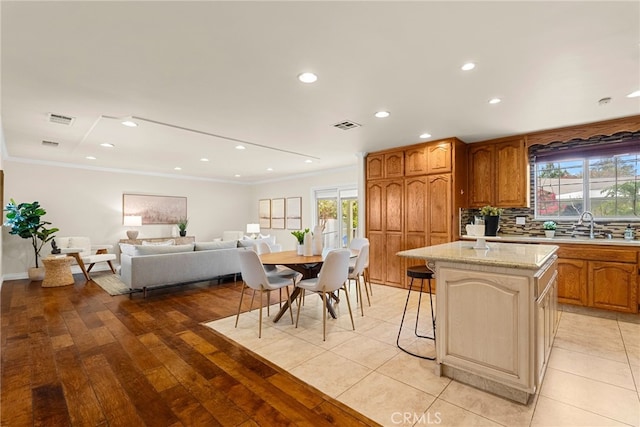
[[76, 356]]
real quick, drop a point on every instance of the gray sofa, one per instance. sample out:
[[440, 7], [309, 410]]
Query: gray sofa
[[144, 267]]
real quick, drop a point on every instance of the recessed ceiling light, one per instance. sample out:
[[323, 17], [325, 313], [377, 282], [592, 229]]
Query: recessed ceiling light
[[204, 159], [106, 144], [237, 175], [130, 123], [307, 77], [382, 114], [90, 158], [495, 101], [468, 66], [177, 168], [425, 135], [308, 161], [269, 169], [634, 94], [240, 147]]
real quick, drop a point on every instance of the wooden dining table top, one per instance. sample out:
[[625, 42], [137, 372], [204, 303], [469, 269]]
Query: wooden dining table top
[[292, 258]]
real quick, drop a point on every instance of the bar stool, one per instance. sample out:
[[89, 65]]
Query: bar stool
[[423, 273]]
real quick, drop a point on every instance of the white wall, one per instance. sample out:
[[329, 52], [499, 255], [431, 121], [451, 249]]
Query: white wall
[[83, 202], [301, 186], [89, 203]]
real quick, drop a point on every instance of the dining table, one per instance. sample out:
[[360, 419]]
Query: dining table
[[308, 266]]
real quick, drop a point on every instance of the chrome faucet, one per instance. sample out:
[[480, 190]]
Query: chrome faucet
[[581, 219]]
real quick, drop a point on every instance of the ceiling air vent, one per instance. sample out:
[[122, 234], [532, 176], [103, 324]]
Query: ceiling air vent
[[346, 125], [50, 143], [60, 119]]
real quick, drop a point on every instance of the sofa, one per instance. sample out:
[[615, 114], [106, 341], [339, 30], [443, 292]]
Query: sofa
[[148, 266], [246, 241]]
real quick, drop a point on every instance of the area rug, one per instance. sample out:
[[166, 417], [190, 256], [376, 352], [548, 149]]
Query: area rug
[[110, 282]]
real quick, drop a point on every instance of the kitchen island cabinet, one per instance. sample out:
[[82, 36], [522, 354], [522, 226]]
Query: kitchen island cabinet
[[496, 313]]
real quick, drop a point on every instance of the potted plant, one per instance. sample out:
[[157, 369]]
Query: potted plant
[[24, 220], [491, 219], [549, 228], [182, 226], [299, 235]]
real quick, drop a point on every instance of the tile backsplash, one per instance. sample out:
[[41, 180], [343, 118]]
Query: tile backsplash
[[533, 227]]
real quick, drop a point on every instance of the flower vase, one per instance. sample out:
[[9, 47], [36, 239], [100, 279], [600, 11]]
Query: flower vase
[[300, 249], [317, 241], [549, 233], [491, 225]]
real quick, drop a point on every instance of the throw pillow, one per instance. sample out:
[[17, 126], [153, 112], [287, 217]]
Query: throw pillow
[[208, 246], [246, 243], [128, 249], [160, 243], [155, 250]]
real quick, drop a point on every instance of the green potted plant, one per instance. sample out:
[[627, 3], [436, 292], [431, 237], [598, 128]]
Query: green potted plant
[[25, 220], [299, 235], [491, 219], [182, 226], [549, 228]]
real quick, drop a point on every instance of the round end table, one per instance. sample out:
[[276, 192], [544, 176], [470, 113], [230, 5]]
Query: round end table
[[57, 272]]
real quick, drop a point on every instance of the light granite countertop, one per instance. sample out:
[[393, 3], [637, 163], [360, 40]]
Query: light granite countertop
[[557, 240], [511, 255]]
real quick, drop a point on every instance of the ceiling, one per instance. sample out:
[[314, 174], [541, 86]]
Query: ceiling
[[200, 78]]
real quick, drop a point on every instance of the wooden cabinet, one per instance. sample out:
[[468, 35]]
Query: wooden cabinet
[[600, 277], [572, 279], [498, 174], [416, 209], [612, 286], [481, 176], [385, 230], [387, 165]]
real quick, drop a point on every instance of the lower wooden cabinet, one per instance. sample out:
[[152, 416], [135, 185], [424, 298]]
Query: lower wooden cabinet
[[572, 281], [606, 277], [612, 286]]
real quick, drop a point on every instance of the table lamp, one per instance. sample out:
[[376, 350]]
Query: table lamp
[[253, 229], [132, 221]]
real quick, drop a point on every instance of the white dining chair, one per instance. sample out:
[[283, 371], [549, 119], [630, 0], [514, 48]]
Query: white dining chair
[[356, 271], [276, 270], [254, 277], [357, 243], [332, 277]]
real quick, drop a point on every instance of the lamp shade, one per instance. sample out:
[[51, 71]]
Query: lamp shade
[[253, 228], [132, 221]]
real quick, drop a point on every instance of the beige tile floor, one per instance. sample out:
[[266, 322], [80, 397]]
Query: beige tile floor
[[593, 378]]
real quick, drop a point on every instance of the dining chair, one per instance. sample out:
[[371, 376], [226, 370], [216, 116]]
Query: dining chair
[[357, 243], [332, 277], [356, 271], [255, 277], [276, 270]]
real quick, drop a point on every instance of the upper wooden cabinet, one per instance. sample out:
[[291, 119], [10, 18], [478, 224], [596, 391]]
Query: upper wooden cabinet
[[439, 157], [388, 165], [498, 174], [431, 158], [481, 175]]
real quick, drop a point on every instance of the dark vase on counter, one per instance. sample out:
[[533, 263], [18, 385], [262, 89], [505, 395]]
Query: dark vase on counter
[[491, 225]]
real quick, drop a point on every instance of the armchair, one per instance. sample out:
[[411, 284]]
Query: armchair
[[81, 249]]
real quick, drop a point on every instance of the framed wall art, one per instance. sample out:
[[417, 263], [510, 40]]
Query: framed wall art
[[155, 209], [264, 213], [294, 213], [277, 213]]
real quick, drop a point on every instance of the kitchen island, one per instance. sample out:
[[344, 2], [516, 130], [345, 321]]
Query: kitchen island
[[496, 313]]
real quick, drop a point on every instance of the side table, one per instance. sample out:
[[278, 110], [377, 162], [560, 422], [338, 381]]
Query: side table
[[57, 271]]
